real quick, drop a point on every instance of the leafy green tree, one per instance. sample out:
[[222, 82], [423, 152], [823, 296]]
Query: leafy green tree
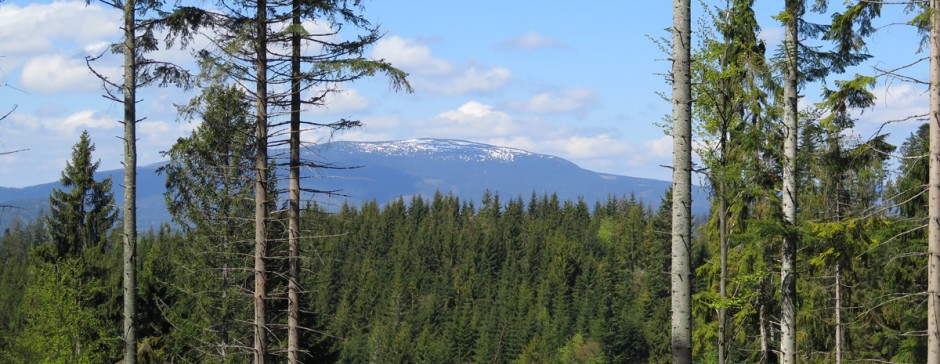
[[64, 314], [15, 244], [57, 326], [730, 85]]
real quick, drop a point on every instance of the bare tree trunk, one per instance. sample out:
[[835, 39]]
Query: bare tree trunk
[[261, 182], [225, 319], [293, 297], [681, 183], [130, 184], [933, 234], [788, 249], [838, 309], [722, 285], [764, 347]]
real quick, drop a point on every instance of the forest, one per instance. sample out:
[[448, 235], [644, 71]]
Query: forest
[[813, 250]]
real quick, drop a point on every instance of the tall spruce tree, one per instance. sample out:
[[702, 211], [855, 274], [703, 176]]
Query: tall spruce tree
[[803, 63], [138, 37], [248, 38], [729, 87], [209, 188], [61, 316], [81, 216], [337, 63]]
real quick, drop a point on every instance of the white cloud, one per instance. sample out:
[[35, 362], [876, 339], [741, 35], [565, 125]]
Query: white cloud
[[472, 119], [658, 148], [570, 100], [154, 130], [529, 42], [410, 56], [84, 119], [470, 80], [895, 102], [40, 27], [772, 36], [57, 73], [429, 73], [29, 124], [590, 146], [342, 102]]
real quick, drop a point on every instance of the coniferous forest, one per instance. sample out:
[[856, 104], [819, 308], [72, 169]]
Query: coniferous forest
[[821, 245]]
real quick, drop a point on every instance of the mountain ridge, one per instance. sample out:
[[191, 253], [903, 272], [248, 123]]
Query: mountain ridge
[[387, 170]]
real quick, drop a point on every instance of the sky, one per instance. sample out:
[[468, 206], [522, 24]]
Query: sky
[[575, 80]]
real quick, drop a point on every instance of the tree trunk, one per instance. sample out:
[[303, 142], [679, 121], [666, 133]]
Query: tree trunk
[[722, 285], [764, 347], [293, 297], [788, 248], [838, 309], [261, 182], [681, 183], [130, 184], [933, 234]]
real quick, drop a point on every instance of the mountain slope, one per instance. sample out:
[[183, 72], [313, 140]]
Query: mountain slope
[[388, 170]]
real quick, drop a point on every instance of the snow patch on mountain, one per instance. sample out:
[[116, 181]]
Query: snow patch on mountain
[[447, 149]]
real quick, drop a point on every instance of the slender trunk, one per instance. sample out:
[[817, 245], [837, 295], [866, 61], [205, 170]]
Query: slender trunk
[[293, 296], [933, 234], [228, 235], [764, 347], [225, 318], [788, 248], [837, 196], [722, 286], [681, 184], [261, 182], [130, 185], [838, 314]]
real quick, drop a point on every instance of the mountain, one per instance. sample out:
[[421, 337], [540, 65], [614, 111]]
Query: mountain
[[384, 171]]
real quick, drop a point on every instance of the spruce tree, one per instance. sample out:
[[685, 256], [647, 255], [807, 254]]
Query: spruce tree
[[80, 217]]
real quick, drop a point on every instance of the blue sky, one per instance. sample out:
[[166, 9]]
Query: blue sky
[[576, 80]]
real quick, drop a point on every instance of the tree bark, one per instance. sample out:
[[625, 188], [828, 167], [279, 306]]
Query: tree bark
[[722, 289], [293, 296], [838, 309], [933, 194], [261, 183], [130, 184], [788, 248], [764, 347], [681, 183]]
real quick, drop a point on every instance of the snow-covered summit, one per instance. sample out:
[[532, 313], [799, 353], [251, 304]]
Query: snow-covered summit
[[446, 149]]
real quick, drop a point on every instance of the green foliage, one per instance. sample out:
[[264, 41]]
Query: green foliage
[[909, 190], [210, 183], [63, 314], [502, 282], [58, 322], [80, 217]]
